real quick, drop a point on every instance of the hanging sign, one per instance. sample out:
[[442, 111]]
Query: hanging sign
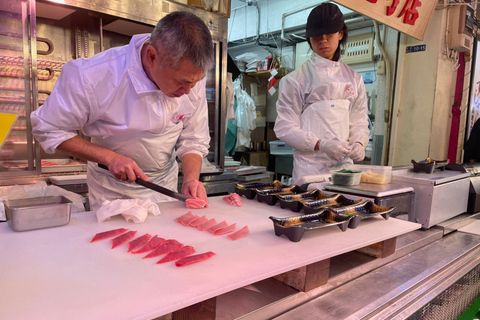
[[408, 16]]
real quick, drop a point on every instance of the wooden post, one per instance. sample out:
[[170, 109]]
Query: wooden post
[[308, 277], [380, 249]]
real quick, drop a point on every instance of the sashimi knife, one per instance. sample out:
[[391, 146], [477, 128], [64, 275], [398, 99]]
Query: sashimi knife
[[155, 187]]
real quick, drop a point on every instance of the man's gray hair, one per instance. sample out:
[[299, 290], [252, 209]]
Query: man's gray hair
[[182, 34]]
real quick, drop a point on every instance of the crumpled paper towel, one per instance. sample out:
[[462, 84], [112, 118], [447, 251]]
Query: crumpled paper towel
[[135, 210]]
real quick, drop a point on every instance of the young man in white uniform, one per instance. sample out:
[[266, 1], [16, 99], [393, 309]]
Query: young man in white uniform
[[142, 104]]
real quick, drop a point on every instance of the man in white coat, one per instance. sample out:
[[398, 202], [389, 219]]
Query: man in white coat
[[142, 105]]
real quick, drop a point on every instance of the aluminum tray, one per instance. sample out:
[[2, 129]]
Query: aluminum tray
[[37, 213]]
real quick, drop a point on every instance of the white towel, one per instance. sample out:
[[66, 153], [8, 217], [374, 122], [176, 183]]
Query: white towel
[[135, 210]]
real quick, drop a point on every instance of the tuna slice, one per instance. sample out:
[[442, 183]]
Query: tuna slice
[[195, 258], [152, 244], [138, 242], [177, 254], [206, 225], [123, 238], [218, 226], [194, 203], [239, 234], [108, 234], [166, 247], [199, 221], [188, 221], [185, 216], [233, 199], [225, 230]]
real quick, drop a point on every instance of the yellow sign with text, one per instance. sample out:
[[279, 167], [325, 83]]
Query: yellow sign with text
[[408, 16]]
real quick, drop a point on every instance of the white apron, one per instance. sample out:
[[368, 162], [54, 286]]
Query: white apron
[[327, 119], [153, 153]]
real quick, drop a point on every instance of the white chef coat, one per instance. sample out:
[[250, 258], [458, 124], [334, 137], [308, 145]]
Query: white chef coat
[[110, 99], [322, 99]]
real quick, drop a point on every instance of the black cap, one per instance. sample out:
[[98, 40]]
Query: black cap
[[324, 19]]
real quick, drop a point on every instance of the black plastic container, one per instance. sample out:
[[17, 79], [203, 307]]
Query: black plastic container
[[270, 196], [249, 190], [336, 200], [293, 201]]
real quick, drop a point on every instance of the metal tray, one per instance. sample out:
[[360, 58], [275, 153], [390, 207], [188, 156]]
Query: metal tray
[[37, 213]]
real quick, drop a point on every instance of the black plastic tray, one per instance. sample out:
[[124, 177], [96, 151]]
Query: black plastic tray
[[269, 196], [249, 190], [344, 217], [295, 227], [335, 200], [363, 210], [292, 201], [429, 165]]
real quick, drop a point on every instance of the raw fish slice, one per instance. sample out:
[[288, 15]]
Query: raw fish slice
[[177, 254], [195, 203], [152, 244], [138, 242], [199, 221], [166, 247], [239, 234], [225, 230], [108, 234], [185, 216], [206, 225], [186, 222], [218, 226], [195, 258], [233, 199], [123, 238], [236, 199]]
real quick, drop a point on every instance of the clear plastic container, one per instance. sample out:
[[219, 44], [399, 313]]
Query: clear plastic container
[[346, 178], [373, 174]]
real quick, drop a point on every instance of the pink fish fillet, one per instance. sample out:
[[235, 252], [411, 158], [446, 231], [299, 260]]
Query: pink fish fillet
[[195, 203], [195, 258], [199, 221], [108, 234], [177, 254], [239, 234], [218, 226], [166, 247], [233, 199], [225, 230], [138, 242], [188, 221], [207, 224], [123, 238], [185, 216], [152, 244]]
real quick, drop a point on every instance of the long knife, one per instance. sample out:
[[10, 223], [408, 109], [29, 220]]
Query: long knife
[[155, 187]]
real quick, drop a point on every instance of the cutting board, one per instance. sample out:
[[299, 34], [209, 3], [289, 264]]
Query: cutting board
[[7, 119], [57, 273]]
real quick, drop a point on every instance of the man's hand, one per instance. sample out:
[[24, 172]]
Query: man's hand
[[194, 189], [358, 152], [125, 169]]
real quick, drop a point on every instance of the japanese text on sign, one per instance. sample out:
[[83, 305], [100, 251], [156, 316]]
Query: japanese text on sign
[[408, 16]]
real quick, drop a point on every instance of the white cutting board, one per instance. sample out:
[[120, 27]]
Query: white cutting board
[[57, 274]]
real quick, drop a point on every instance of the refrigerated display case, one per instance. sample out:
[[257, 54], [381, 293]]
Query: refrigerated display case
[[39, 36]]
